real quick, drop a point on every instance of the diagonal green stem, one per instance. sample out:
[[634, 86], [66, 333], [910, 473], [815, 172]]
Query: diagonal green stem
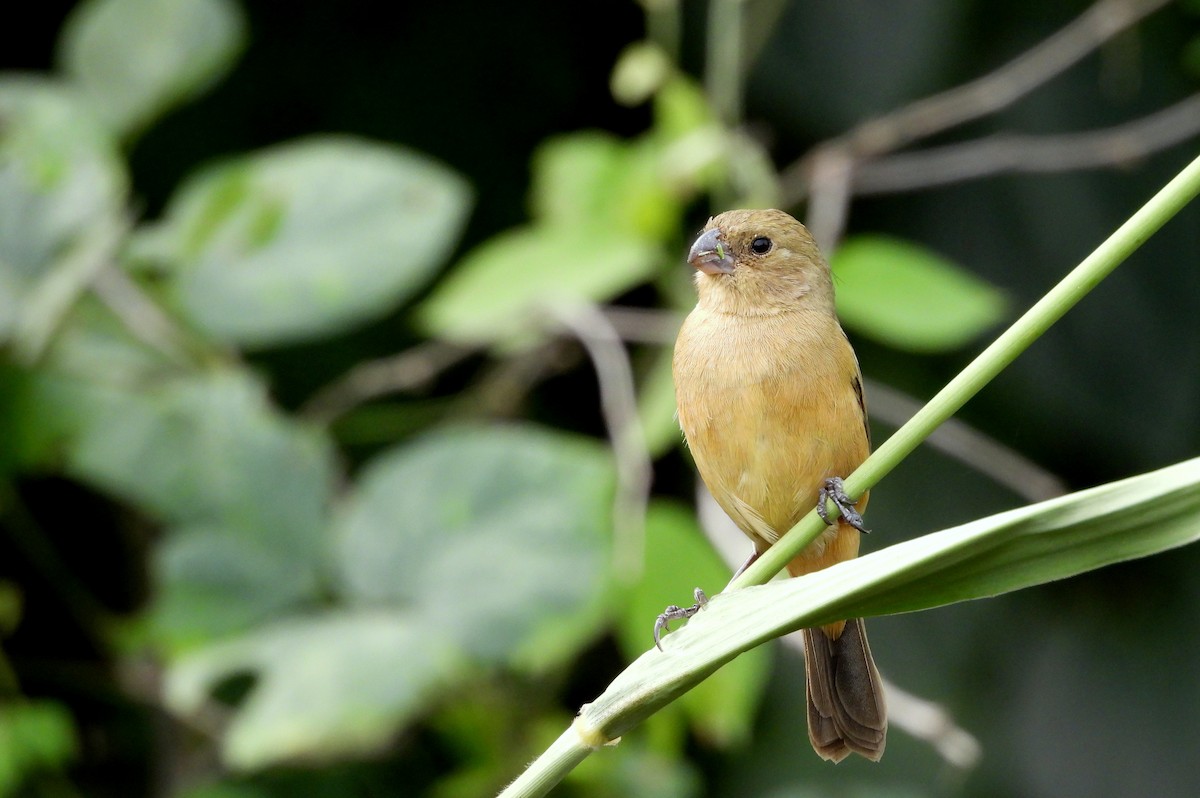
[[1003, 351]]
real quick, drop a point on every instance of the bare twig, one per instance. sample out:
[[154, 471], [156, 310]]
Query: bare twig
[[1006, 152], [140, 315], [979, 97], [46, 307], [829, 197], [643, 325], [412, 368], [969, 446], [932, 723], [618, 404]]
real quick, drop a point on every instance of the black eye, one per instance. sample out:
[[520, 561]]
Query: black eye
[[760, 245]]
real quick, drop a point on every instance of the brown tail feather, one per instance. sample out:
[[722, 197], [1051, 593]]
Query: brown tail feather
[[846, 710]]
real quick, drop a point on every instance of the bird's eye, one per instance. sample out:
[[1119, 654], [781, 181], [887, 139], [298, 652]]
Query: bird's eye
[[760, 245]]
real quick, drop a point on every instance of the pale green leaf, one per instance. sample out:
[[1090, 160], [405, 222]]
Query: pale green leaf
[[617, 188], [640, 71], [495, 534], [908, 297], [325, 687], [505, 286], [245, 491], [308, 238], [135, 59], [573, 178], [60, 177]]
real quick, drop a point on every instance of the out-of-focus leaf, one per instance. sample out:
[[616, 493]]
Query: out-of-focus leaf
[[60, 175], [137, 58], [245, 490], [909, 297], [640, 71], [681, 108], [492, 534], [34, 736], [308, 238], [612, 187], [572, 179], [326, 686], [679, 559], [503, 287]]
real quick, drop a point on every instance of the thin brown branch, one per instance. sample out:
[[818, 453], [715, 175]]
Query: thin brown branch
[[410, 369], [140, 315], [980, 97], [831, 188], [643, 325], [618, 404], [969, 446], [1110, 147]]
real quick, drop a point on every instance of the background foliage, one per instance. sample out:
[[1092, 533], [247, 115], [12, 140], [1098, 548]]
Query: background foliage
[[250, 550]]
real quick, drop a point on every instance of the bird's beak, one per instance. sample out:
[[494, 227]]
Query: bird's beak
[[710, 254]]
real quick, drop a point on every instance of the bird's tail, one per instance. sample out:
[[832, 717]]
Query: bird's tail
[[846, 710]]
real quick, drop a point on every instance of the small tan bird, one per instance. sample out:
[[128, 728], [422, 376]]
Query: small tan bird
[[770, 400]]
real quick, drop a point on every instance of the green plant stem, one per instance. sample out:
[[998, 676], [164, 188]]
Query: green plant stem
[[1003, 351], [558, 760]]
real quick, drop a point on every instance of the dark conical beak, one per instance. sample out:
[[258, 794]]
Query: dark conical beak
[[710, 254]]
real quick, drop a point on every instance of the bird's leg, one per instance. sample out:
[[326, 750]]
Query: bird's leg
[[834, 490], [744, 565], [676, 613]]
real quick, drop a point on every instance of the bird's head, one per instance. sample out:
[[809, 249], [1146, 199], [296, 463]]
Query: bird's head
[[753, 262]]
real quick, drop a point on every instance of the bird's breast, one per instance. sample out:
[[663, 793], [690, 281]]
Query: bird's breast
[[769, 410]]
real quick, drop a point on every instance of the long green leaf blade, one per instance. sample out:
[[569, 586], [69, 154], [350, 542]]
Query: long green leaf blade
[[1032, 545]]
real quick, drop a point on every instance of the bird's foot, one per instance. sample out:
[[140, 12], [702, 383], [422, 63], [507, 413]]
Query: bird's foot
[[677, 613], [834, 490]]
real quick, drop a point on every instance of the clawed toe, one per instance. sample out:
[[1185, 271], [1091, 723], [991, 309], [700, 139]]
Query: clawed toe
[[676, 613], [834, 490]]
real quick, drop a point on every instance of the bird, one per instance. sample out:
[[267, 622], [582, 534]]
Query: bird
[[770, 400]]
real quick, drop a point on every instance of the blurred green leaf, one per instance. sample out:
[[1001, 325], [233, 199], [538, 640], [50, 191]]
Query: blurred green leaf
[[613, 187], [680, 108], [573, 178], [245, 491], [60, 176], [678, 560], [909, 297], [308, 238], [503, 287], [495, 535], [135, 59], [34, 736], [328, 686], [639, 73]]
